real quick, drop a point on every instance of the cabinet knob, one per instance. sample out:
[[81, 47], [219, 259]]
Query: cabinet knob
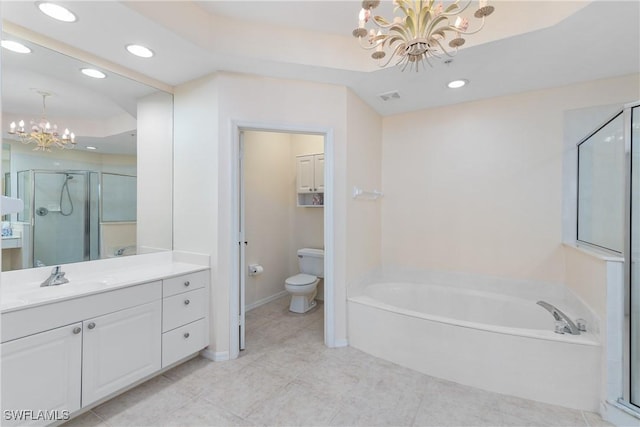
[[186, 302], [91, 325], [186, 334], [187, 283], [77, 330]]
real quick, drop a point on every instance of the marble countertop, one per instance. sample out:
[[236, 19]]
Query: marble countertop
[[22, 289]]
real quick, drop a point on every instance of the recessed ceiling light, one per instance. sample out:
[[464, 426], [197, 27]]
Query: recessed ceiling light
[[93, 73], [457, 84], [56, 11], [89, 147], [15, 46], [139, 50]]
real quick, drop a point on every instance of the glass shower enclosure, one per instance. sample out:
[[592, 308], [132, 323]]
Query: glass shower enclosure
[[609, 218], [66, 211]]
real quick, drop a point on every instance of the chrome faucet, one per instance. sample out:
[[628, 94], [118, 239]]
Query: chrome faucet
[[567, 324], [56, 278]]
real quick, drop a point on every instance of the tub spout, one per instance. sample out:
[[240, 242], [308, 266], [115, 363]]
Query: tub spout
[[557, 314]]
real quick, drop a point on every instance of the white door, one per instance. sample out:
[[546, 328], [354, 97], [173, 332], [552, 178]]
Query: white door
[[305, 174], [42, 372], [119, 349], [318, 173]]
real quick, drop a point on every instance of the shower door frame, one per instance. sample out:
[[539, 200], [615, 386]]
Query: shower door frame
[[87, 207], [629, 369]]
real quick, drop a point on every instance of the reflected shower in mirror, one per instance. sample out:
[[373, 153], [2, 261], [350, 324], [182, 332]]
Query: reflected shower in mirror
[[81, 204]]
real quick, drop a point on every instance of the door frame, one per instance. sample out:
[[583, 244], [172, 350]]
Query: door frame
[[329, 209]]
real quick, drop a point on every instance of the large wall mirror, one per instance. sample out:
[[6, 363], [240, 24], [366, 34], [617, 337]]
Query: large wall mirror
[[83, 203]]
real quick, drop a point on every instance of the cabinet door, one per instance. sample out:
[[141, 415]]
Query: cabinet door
[[119, 349], [41, 376], [318, 173], [305, 174]]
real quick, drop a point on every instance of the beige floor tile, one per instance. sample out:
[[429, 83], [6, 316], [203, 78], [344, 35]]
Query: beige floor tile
[[239, 391], [523, 412], [143, 405], [201, 412], [295, 405], [595, 420], [88, 419]]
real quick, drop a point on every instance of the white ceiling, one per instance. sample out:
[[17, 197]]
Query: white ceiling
[[525, 45]]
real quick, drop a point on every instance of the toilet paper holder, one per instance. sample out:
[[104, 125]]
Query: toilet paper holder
[[255, 269]]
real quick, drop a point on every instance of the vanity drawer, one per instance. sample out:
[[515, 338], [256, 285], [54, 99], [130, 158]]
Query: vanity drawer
[[183, 308], [184, 283], [183, 341]]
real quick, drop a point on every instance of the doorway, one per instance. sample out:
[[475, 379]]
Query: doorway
[[269, 215]]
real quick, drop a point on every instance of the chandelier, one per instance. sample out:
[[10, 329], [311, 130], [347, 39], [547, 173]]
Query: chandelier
[[419, 32], [43, 133]]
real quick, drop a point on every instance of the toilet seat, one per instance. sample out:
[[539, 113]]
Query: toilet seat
[[300, 280]]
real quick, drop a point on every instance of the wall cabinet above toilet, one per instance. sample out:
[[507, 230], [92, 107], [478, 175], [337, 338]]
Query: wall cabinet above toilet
[[310, 179]]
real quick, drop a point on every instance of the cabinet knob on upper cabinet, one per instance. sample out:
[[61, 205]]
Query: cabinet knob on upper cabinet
[[186, 334], [91, 325], [187, 283], [77, 330], [186, 302]]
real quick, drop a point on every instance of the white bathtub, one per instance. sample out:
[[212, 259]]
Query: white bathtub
[[497, 342]]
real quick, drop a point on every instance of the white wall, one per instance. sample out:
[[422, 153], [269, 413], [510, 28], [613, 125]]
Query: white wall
[[155, 159], [268, 200], [477, 187], [364, 153]]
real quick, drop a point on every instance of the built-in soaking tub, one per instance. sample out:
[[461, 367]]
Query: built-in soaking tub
[[494, 341]]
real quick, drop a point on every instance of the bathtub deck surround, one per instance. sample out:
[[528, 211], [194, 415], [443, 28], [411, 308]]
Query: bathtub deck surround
[[470, 333], [288, 377], [111, 326]]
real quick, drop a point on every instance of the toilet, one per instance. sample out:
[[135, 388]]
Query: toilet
[[303, 286]]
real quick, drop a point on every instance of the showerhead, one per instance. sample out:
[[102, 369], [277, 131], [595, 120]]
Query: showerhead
[[69, 176]]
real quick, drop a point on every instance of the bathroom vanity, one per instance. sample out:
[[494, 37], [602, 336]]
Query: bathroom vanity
[[69, 347]]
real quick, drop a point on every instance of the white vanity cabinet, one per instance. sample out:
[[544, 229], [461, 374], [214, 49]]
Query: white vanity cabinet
[[68, 354], [42, 372], [184, 312], [119, 349]]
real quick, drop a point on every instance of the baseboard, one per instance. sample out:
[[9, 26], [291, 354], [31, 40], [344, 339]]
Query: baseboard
[[264, 301], [341, 343], [216, 356]]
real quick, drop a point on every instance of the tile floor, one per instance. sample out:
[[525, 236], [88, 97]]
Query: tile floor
[[286, 376]]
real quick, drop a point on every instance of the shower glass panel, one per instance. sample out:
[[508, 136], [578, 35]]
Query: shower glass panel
[[601, 177], [60, 216], [634, 321], [60, 222], [118, 197]]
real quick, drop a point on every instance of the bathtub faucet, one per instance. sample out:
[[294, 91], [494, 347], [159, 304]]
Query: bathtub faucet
[[568, 325]]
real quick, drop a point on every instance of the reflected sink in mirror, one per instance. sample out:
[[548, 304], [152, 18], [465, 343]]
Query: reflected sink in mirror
[[80, 204]]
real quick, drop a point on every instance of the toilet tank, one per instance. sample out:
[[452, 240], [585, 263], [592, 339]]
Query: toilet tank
[[311, 261]]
